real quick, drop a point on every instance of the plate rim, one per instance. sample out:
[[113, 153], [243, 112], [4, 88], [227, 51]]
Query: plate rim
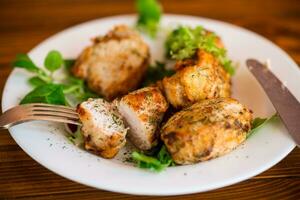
[[151, 193]]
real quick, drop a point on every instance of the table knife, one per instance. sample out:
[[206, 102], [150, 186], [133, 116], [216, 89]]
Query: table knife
[[287, 106]]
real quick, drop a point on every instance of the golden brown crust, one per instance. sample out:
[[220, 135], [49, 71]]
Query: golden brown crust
[[174, 91], [205, 130], [143, 110], [119, 32], [147, 98], [115, 63], [205, 78], [109, 151], [81, 67], [121, 86]]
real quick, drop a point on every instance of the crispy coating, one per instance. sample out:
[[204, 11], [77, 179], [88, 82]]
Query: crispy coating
[[103, 129], [143, 111], [206, 130], [196, 79], [115, 63]]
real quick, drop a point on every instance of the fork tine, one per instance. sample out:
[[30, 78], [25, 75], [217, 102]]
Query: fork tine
[[51, 118], [53, 109], [53, 113], [56, 111], [56, 119], [51, 106]]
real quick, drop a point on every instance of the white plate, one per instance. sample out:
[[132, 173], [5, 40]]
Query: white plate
[[47, 144]]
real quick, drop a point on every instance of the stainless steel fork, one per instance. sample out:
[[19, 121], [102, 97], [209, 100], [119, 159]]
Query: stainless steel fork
[[38, 111]]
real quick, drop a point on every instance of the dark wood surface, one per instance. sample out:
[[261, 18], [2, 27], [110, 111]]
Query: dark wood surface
[[24, 24]]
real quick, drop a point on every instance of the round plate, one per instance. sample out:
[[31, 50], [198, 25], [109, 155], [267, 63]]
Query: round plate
[[46, 142]]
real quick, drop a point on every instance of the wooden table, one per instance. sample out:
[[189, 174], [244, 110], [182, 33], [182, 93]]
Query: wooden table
[[25, 23]]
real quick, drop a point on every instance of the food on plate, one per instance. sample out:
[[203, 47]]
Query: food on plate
[[115, 63], [202, 123], [184, 42], [206, 130], [143, 111], [102, 126], [258, 122], [149, 16], [158, 161], [198, 78]]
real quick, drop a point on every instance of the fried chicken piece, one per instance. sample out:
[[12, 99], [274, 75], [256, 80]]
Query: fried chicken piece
[[115, 63], [143, 111], [196, 79], [206, 130], [103, 128]]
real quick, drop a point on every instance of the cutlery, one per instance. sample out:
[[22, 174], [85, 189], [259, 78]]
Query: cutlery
[[284, 102], [38, 111]]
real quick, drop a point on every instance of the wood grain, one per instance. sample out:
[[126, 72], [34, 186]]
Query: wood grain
[[25, 23]]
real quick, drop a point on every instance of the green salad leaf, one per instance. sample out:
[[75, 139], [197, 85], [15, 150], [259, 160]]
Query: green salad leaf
[[69, 63], [25, 62], [36, 81], [183, 42], [155, 163], [69, 91], [53, 60], [147, 162], [258, 122], [164, 156], [155, 73], [149, 16], [77, 87], [47, 93]]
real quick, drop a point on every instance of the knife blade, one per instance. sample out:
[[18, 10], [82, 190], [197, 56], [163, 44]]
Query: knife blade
[[282, 99]]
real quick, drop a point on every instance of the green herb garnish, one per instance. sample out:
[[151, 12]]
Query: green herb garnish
[[149, 16], [183, 42], [69, 91], [155, 163], [23, 61], [77, 88], [47, 93], [69, 63], [257, 123], [53, 61], [164, 156], [36, 81], [155, 73]]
